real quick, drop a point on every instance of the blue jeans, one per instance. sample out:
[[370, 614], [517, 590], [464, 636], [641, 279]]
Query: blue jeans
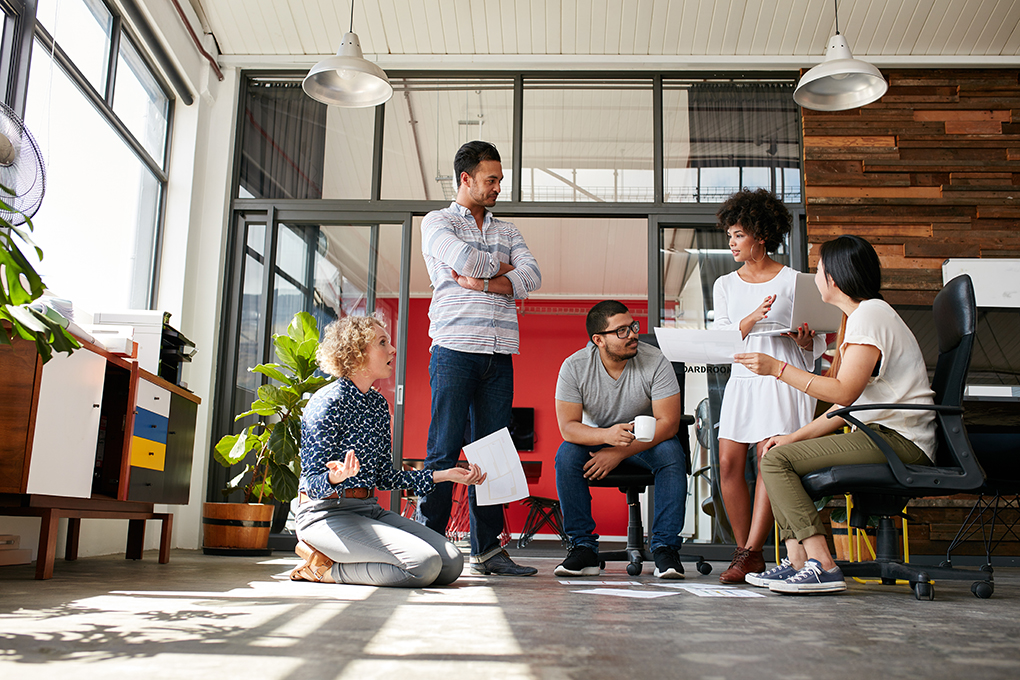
[[665, 460], [472, 396]]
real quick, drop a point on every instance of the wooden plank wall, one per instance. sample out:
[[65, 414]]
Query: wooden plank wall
[[930, 171]]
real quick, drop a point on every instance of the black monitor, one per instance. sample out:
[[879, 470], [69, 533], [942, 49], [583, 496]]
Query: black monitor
[[522, 428]]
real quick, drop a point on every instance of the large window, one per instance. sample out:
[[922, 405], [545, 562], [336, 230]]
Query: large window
[[588, 140], [101, 117]]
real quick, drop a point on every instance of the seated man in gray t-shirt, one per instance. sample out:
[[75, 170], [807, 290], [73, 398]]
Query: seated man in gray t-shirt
[[599, 392]]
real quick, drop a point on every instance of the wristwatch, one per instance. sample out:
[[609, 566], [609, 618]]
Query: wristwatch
[[485, 285]]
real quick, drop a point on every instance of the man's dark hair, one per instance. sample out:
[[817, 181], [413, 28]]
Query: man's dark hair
[[852, 264], [598, 316], [760, 213], [470, 155]]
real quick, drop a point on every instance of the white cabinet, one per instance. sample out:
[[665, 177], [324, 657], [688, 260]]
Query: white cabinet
[[67, 425]]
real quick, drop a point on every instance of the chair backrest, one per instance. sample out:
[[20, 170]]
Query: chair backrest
[[955, 314]]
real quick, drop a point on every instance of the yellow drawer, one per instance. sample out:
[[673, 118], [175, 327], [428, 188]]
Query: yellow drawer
[[148, 454]]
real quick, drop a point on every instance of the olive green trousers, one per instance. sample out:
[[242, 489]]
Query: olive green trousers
[[783, 466]]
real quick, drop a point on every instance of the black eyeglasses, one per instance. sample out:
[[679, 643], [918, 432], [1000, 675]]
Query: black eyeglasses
[[623, 331]]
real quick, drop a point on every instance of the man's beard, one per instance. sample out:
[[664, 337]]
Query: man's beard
[[627, 353]]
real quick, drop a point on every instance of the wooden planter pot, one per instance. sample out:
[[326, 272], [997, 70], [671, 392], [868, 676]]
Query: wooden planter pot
[[236, 528]]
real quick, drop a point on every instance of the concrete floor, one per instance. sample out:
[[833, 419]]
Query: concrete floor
[[225, 617]]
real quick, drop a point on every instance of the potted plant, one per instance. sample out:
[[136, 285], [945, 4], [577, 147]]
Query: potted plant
[[20, 287], [268, 448]]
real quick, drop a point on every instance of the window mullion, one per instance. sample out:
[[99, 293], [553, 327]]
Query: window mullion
[[111, 65]]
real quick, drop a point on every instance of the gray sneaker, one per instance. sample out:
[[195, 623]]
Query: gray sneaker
[[780, 572], [811, 579], [500, 564]]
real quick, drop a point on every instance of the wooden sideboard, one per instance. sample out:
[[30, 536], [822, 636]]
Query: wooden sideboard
[[91, 435]]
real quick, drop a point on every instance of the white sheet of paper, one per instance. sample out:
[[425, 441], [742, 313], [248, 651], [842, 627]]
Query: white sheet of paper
[[600, 583], [640, 594], [721, 592], [695, 346], [498, 458]]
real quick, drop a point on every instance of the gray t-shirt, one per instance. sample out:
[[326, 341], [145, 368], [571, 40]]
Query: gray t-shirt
[[647, 377]]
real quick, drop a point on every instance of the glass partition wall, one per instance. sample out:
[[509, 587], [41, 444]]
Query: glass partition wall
[[613, 182]]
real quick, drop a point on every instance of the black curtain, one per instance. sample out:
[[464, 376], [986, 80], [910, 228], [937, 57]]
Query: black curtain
[[750, 124], [283, 142]]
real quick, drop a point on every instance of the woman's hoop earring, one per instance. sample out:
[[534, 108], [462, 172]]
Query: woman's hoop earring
[[763, 253]]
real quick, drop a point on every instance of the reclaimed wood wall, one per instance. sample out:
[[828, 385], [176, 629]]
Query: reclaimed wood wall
[[930, 171]]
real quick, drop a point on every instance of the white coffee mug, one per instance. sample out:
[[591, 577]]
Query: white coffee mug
[[644, 428]]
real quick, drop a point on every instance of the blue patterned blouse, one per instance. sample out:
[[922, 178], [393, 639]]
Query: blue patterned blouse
[[339, 418]]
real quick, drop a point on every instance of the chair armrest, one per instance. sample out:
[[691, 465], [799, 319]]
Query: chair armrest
[[899, 469], [938, 408], [686, 420]]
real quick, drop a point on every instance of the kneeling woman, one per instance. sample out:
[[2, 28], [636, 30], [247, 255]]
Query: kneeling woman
[[345, 536], [880, 362]]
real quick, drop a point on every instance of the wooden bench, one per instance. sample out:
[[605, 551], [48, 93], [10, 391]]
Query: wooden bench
[[52, 508]]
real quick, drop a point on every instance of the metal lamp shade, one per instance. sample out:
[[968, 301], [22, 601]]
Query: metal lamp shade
[[348, 79], [840, 82]]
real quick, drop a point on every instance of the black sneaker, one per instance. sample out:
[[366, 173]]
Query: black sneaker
[[500, 564], [667, 563], [580, 561]]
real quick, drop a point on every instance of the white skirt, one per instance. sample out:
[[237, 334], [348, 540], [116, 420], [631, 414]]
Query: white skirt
[[758, 407]]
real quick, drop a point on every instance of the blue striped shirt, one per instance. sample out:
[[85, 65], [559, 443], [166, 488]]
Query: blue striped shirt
[[470, 320]]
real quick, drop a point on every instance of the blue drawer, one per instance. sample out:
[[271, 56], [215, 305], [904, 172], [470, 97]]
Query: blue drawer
[[151, 426]]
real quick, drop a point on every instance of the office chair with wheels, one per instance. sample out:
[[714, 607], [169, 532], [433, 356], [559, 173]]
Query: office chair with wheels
[[883, 490], [632, 480]]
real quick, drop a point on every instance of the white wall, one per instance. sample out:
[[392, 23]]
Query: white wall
[[191, 279]]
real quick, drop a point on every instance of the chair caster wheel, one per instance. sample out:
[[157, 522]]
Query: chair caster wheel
[[982, 589], [945, 564], [704, 568], [602, 564], [634, 569], [923, 591]]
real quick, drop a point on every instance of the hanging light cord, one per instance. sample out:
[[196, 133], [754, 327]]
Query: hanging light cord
[[835, 6], [352, 18]]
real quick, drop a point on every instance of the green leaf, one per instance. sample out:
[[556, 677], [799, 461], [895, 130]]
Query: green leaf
[[233, 448], [282, 441], [269, 394], [303, 327], [285, 481], [274, 372], [286, 351]]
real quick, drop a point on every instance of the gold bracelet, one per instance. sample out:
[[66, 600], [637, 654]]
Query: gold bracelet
[[811, 380]]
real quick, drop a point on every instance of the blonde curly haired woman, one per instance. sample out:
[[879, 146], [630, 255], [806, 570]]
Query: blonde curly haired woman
[[344, 535]]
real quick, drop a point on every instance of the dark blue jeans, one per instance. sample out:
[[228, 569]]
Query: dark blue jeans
[[472, 396], [665, 460]]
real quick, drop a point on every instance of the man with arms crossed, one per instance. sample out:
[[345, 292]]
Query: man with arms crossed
[[479, 266], [600, 390]]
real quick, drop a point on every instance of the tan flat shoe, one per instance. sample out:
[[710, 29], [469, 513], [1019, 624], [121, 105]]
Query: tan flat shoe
[[316, 567]]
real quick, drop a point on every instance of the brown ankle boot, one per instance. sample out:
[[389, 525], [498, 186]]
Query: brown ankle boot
[[744, 562], [317, 567]]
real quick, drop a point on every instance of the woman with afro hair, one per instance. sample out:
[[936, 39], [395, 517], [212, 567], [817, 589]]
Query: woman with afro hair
[[757, 407]]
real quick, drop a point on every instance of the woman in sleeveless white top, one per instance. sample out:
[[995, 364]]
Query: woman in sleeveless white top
[[754, 408]]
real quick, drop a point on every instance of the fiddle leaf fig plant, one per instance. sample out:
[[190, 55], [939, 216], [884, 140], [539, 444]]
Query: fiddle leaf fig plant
[[20, 286], [269, 447]]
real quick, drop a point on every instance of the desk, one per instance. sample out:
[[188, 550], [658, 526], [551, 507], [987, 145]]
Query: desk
[[50, 509]]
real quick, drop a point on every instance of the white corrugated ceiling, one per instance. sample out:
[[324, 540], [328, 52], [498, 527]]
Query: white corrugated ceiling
[[564, 33]]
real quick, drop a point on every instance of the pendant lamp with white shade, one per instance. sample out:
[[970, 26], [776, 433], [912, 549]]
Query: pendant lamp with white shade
[[348, 79], [840, 82]]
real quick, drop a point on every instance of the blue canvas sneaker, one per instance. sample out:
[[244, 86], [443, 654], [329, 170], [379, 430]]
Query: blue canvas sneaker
[[780, 572], [811, 579]]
